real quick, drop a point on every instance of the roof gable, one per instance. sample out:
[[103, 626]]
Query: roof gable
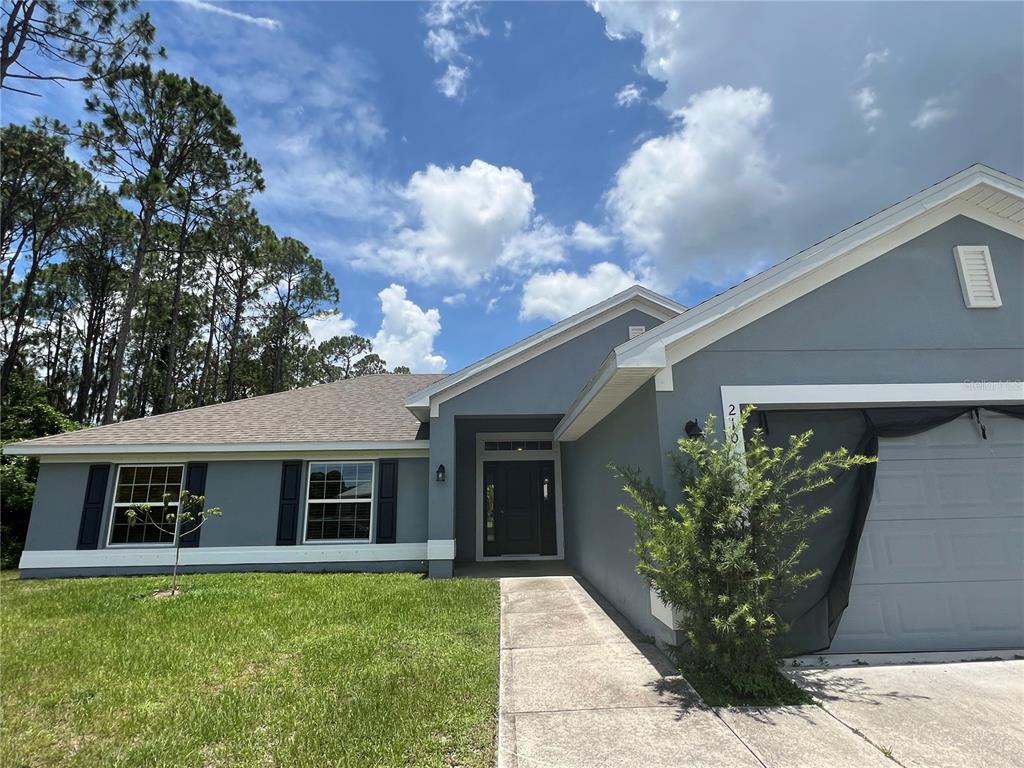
[[425, 402], [978, 192]]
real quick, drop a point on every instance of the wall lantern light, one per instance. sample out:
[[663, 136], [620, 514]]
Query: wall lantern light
[[693, 430], [440, 473]]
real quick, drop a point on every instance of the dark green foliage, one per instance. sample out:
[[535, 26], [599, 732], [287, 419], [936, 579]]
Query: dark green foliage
[[728, 555], [86, 39], [26, 413]]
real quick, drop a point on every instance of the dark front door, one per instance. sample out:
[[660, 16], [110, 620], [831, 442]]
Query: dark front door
[[519, 508]]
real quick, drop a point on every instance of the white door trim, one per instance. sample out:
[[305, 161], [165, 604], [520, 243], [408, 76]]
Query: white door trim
[[553, 455], [841, 395]]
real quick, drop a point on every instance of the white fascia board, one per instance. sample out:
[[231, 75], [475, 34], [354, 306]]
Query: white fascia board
[[605, 392], [636, 297], [29, 448], [939, 201]]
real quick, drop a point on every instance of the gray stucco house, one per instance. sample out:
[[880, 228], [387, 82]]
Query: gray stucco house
[[903, 334]]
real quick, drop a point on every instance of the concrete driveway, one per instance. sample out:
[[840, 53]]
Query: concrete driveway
[[580, 688]]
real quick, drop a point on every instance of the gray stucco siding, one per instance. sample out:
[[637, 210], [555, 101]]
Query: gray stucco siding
[[248, 492], [898, 319], [413, 479], [540, 388], [549, 383], [57, 506], [599, 538]]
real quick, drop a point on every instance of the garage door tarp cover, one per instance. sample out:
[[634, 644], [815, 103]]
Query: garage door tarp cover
[[814, 614]]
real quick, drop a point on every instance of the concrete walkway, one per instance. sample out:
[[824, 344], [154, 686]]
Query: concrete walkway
[[579, 688]]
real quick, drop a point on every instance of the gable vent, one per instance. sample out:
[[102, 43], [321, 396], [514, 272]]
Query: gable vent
[[977, 278], [637, 330]]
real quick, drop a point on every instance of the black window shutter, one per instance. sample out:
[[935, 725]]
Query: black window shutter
[[195, 484], [288, 512], [387, 502], [92, 508]]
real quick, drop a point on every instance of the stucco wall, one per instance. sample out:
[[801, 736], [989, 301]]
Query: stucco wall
[[57, 506], [542, 387], [599, 538], [899, 319], [247, 491]]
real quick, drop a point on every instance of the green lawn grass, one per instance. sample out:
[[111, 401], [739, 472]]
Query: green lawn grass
[[249, 670]]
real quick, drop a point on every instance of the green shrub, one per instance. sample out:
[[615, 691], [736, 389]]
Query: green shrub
[[728, 555]]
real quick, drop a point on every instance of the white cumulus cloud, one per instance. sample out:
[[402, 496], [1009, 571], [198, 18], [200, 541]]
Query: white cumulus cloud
[[453, 82], [874, 58], [407, 332], [451, 24], [629, 95], [686, 203], [558, 294], [587, 237], [329, 326], [659, 26], [866, 102], [932, 112], [470, 222]]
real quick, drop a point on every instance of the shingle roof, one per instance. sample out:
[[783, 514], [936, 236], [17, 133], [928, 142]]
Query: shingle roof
[[364, 409]]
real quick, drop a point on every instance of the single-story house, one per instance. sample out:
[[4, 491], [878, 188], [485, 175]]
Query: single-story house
[[902, 335]]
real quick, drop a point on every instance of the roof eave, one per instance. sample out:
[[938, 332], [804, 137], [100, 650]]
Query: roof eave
[[652, 301], [33, 448]]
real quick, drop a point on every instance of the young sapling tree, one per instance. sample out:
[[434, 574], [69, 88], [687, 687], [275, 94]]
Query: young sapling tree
[[190, 515]]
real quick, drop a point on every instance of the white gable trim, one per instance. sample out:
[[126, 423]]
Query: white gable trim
[[636, 297], [979, 192], [717, 323]]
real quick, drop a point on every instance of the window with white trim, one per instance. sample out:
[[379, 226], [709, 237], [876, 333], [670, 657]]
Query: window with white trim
[[339, 501], [145, 484]]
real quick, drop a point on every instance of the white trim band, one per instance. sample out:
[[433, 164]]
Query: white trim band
[[303, 553], [30, 448], [441, 549], [809, 396]]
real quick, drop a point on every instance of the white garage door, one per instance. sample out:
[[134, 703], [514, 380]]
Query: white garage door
[[941, 560]]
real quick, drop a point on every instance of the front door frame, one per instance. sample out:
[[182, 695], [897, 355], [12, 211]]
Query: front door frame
[[553, 455]]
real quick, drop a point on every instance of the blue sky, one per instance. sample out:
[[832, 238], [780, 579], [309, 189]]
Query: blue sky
[[471, 173]]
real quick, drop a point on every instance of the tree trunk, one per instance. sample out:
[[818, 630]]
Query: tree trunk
[[93, 336], [212, 318], [172, 336], [116, 364], [19, 322], [236, 333]]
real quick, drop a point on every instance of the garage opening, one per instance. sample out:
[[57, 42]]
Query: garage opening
[[925, 550]]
